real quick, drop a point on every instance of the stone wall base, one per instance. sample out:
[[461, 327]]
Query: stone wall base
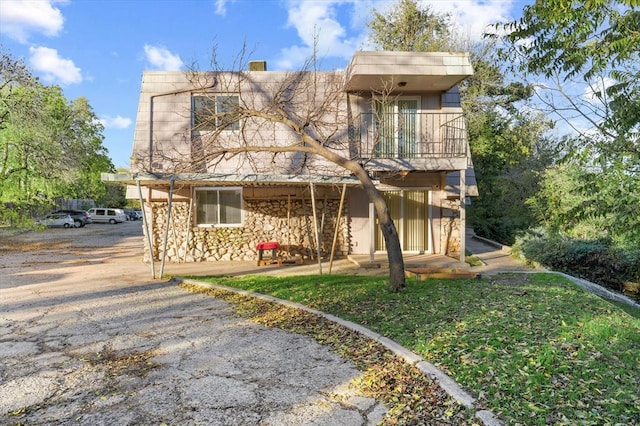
[[291, 224]]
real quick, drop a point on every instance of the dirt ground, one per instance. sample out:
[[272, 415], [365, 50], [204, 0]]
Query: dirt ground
[[51, 255]]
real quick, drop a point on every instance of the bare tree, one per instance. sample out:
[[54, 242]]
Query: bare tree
[[297, 122]]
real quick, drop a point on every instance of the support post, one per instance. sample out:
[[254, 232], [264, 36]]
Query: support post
[[372, 227], [289, 224], [335, 232], [463, 214], [430, 245], [186, 240], [324, 214], [306, 225], [145, 228], [315, 226], [166, 231]]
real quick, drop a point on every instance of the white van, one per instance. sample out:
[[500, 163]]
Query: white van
[[107, 215]]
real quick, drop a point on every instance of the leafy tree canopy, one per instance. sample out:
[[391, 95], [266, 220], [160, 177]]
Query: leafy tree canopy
[[408, 28], [585, 204], [599, 42], [49, 147], [595, 43], [577, 37]]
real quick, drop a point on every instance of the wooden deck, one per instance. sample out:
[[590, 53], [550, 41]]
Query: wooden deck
[[411, 261], [420, 266]]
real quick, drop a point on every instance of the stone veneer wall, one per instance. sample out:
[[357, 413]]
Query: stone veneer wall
[[450, 222], [264, 220]]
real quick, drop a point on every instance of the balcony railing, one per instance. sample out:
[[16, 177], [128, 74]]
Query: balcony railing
[[410, 134]]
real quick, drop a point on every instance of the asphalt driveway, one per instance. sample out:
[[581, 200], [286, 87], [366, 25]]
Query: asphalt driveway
[[88, 337]]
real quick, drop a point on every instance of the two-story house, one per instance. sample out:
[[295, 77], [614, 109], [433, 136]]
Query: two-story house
[[397, 113]]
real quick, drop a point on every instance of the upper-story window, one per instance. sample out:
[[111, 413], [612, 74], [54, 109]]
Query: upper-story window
[[215, 112]]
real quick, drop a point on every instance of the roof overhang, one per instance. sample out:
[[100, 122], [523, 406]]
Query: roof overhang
[[406, 71], [164, 179]]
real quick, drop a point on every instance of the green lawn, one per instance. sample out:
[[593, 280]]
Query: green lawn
[[533, 348]]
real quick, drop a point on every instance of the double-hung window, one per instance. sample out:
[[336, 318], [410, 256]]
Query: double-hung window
[[215, 112], [219, 206]]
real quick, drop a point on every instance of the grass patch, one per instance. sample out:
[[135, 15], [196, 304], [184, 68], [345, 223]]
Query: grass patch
[[472, 260], [534, 349]]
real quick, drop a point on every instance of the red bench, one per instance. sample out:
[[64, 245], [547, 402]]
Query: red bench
[[269, 245]]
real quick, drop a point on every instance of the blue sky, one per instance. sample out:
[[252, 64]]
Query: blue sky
[[98, 48]]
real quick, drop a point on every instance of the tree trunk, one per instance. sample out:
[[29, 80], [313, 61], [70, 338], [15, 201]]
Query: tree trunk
[[388, 228], [394, 252]]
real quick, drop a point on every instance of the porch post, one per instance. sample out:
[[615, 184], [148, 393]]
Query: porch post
[[335, 232], [145, 227], [189, 224], [463, 214], [372, 227], [315, 226], [166, 231], [430, 248]]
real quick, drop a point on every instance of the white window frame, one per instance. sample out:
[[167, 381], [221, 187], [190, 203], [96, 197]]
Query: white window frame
[[215, 124], [219, 189]]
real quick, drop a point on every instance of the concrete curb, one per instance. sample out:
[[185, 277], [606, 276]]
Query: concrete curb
[[442, 379], [589, 286], [598, 290], [492, 243]]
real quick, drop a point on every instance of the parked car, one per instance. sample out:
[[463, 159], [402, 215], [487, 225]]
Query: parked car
[[107, 215], [57, 220], [133, 214], [80, 217]]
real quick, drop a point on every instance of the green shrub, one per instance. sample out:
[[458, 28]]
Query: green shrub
[[597, 260], [14, 218], [20, 215]]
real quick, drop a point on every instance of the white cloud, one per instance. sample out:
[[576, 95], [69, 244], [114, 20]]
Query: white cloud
[[473, 18], [292, 57], [19, 19], [316, 22], [54, 68], [116, 122], [221, 6], [596, 93], [161, 58]]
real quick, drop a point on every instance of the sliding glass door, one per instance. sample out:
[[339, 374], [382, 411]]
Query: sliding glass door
[[410, 212], [397, 128]]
